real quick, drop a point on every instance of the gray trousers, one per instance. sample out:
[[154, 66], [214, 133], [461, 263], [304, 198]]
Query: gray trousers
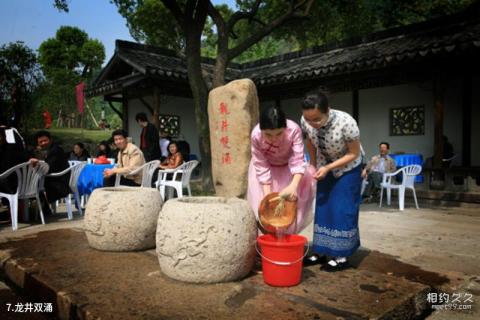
[[374, 180]]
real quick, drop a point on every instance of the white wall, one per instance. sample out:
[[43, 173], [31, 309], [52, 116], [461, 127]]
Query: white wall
[[293, 107], [170, 105], [374, 108], [342, 101]]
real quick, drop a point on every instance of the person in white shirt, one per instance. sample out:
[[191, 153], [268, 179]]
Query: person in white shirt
[[164, 142]]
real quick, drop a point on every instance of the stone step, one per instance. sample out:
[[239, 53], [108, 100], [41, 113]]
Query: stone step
[[59, 267]]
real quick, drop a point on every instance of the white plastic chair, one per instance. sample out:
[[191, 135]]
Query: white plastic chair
[[83, 198], [147, 173], [408, 182], [30, 184], [185, 170], [75, 170], [71, 163]]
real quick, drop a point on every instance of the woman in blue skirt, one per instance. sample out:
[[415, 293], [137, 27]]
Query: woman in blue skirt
[[333, 142]]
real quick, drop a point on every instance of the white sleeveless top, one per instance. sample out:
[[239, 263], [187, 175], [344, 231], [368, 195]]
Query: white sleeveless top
[[331, 140]]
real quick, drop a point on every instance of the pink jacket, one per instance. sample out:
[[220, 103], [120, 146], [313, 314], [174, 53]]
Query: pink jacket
[[288, 150]]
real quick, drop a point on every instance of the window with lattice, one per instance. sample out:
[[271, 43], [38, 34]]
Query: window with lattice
[[407, 121], [169, 125]]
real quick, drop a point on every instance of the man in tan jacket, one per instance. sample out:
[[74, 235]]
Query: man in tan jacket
[[129, 158], [376, 167]]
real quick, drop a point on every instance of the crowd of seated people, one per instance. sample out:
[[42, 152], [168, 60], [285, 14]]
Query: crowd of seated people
[[128, 157]]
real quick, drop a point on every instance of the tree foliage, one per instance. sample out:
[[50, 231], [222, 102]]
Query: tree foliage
[[71, 50], [255, 29], [149, 21], [335, 20], [66, 60], [142, 20], [19, 76]]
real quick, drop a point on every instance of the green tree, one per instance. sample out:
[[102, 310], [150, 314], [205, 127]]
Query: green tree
[[71, 50], [190, 17], [334, 20], [193, 27], [144, 19], [67, 59], [19, 77]]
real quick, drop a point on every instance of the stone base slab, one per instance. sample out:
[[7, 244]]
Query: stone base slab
[[82, 283]]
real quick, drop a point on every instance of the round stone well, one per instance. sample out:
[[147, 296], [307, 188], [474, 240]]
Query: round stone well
[[122, 218], [206, 239]]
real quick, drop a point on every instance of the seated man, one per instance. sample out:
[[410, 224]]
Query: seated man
[[55, 188], [129, 158], [376, 167]]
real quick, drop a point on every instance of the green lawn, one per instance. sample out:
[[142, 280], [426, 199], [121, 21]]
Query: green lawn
[[79, 135]]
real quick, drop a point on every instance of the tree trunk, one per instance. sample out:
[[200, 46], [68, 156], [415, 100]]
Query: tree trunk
[[219, 71], [200, 100], [221, 61]]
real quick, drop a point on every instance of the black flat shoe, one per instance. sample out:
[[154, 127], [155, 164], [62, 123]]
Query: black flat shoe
[[334, 268], [314, 259]]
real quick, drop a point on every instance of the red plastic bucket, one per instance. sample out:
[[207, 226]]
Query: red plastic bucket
[[282, 260]]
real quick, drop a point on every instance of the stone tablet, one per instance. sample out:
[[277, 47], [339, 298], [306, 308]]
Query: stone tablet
[[206, 239], [233, 112], [122, 218]]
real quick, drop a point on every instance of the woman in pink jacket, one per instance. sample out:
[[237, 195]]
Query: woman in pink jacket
[[278, 165]]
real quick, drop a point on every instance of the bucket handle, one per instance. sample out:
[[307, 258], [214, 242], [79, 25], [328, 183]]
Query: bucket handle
[[282, 263]]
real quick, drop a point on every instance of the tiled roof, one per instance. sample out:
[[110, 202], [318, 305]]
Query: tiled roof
[[369, 54], [418, 42], [149, 60]]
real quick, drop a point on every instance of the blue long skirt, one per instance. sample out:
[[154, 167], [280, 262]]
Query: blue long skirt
[[336, 214]]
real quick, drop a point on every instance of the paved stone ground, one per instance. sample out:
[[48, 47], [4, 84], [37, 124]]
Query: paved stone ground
[[442, 239], [401, 245]]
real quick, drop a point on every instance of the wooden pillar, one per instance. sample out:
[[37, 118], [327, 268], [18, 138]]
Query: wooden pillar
[[156, 107], [467, 120], [278, 102], [439, 112], [355, 106], [125, 110]]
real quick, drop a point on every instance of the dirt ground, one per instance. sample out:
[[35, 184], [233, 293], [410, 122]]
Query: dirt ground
[[445, 240], [439, 239]]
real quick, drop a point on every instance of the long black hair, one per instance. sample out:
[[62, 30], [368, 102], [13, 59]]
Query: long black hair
[[315, 99], [272, 118], [108, 150]]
